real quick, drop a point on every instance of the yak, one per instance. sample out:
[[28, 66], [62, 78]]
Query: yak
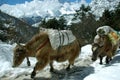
[[105, 43], [40, 48], [107, 49]]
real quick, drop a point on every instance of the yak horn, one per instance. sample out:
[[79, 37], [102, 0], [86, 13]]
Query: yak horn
[[19, 44]]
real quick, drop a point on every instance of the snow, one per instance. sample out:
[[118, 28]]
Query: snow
[[85, 69], [98, 6], [53, 8], [41, 8], [106, 72], [6, 56]]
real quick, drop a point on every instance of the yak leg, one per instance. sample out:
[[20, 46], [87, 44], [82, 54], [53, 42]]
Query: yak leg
[[114, 50], [71, 62], [107, 60], [51, 67], [40, 65], [101, 58], [68, 68], [109, 57], [28, 62]]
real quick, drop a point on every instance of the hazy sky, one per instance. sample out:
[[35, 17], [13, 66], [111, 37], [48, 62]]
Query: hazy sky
[[12, 2]]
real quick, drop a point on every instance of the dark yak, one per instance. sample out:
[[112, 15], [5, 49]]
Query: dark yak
[[105, 43], [105, 50]]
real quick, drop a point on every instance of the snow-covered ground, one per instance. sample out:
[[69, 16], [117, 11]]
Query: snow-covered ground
[[84, 68]]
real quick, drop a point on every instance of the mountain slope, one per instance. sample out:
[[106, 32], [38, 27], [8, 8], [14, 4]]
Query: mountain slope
[[12, 29]]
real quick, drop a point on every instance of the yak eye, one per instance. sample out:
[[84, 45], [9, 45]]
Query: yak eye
[[19, 50]]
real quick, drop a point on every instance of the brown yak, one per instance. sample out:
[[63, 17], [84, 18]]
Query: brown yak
[[107, 49], [39, 46], [103, 45]]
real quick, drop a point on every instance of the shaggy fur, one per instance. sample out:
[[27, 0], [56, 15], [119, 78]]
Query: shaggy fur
[[106, 48], [105, 43], [39, 46]]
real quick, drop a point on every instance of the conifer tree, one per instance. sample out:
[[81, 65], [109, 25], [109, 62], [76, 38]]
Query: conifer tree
[[62, 23], [81, 13], [59, 24], [106, 18], [116, 18]]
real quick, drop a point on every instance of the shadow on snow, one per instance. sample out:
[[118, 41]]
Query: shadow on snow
[[75, 73], [116, 58]]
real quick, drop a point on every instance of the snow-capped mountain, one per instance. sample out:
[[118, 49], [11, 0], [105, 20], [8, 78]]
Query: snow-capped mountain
[[13, 2], [41, 8], [34, 11], [98, 6]]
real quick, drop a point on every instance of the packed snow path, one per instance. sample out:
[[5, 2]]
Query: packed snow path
[[84, 68]]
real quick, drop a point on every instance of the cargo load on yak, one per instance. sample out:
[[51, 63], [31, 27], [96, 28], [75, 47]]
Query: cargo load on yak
[[60, 38], [105, 43], [113, 35]]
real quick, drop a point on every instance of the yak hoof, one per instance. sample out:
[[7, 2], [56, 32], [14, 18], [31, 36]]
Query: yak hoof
[[68, 68], [51, 69], [33, 74], [101, 63], [107, 62]]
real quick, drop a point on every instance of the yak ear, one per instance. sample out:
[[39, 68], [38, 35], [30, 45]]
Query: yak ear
[[19, 44]]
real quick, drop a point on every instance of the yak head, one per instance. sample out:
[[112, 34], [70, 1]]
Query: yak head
[[19, 55], [95, 50]]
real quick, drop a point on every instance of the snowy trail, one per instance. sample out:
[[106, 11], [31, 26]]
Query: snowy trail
[[84, 68], [77, 72], [23, 72], [80, 74]]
